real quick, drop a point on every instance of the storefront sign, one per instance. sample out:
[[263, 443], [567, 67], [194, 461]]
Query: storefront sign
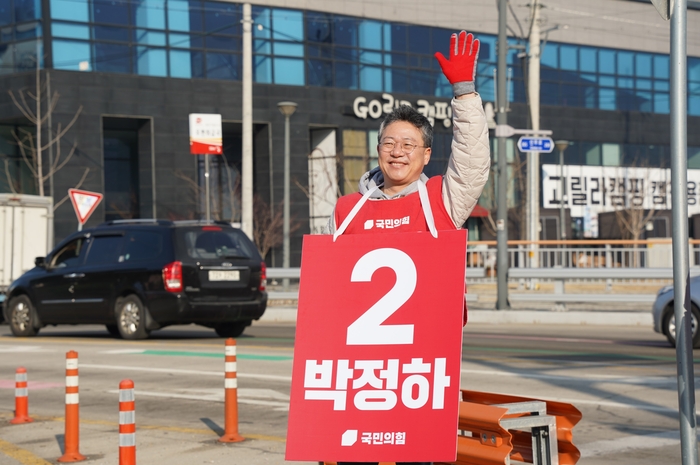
[[591, 190], [375, 109], [378, 348], [205, 134]]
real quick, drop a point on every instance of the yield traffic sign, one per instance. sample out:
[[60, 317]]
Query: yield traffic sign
[[536, 144], [84, 203]]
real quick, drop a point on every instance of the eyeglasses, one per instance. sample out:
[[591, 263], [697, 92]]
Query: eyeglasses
[[406, 147]]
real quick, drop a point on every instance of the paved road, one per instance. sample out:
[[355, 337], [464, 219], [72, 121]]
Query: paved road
[[621, 378]]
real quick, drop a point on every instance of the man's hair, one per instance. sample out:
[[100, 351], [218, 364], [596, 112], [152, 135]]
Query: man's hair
[[410, 115]]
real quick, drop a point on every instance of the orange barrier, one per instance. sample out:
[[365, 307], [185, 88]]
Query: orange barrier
[[72, 435], [21, 398], [567, 416], [231, 395], [127, 423]]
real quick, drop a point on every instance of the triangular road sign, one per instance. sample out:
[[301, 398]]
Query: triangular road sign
[[84, 203], [664, 8]]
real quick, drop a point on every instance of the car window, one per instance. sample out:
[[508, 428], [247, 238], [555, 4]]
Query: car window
[[142, 245], [103, 249], [211, 242], [70, 255]]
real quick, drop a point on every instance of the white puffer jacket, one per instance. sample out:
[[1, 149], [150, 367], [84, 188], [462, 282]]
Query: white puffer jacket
[[467, 169]]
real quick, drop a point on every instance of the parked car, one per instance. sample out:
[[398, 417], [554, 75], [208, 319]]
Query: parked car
[[664, 318], [135, 276]]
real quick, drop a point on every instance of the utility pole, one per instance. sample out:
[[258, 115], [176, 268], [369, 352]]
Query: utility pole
[[502, 118], [247, 162], [533, 158], [679, 202]]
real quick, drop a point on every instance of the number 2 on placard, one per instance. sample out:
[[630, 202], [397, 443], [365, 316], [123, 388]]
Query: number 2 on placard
[[368, 328]]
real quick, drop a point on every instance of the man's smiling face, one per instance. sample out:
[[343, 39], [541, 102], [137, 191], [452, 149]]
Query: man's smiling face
[[400, 169]]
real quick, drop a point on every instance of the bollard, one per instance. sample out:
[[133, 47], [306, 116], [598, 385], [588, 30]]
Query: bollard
[[231, 395], [127, 423], [72, 436], [21, 398]]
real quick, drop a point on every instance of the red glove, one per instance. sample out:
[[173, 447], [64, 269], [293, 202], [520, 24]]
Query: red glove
[[460, 69]]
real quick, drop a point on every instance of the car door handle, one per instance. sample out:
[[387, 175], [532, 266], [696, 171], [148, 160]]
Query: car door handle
[[74, 275]]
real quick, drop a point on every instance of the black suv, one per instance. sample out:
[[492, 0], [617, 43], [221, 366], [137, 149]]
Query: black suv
[[135, 276]]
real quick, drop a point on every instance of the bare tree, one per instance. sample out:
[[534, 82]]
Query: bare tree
[[631, 216], [38, 106], [516, 209]]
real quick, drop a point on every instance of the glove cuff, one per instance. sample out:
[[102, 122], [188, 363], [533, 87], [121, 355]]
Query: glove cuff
[[463, 87]]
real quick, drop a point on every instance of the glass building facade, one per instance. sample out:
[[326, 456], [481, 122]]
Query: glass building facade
[[202, 39]]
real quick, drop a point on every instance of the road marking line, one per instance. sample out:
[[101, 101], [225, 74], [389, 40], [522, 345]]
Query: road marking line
[[20, 348], [185, 372], [279, 406], [21, 455], [628, 443], [171, 429], [32, 385], [640, 380]]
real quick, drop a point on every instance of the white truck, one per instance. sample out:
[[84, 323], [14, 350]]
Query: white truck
[[26, 227]]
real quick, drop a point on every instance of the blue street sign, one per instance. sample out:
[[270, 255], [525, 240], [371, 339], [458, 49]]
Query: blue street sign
[[536, 144]]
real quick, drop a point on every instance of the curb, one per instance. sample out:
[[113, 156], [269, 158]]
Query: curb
[[592, 318]]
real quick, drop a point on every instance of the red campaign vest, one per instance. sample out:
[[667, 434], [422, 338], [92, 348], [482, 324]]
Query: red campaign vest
[[404, 214]]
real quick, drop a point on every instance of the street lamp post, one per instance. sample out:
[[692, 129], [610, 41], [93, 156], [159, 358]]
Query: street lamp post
[[287, 109], [561, 146]]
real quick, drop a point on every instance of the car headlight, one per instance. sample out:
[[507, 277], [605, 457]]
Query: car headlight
[[665, 289]]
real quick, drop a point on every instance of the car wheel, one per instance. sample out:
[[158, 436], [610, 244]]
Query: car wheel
[[669, 327], [131, 318], [231, 329], [22, 316], [112, 330]]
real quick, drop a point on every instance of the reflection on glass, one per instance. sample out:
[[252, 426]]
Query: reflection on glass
[[625, 63], [70, 10], [262, 46], [288, 49], [7, 59], [112, 58], [69, 54], [370, 58], [319, 27], [27, 10], [111, 11], [587, 59], [223, 43], [287, 25], [70, 31], [27, 31], [643, 65], [149, 37], [550, 55], [606, 99], [118, 34], [261, 22], [661, 66], [345, 31], [180, 64], [320, 73], [370, 35], [568, 57], [262, 69], [661, 103], [371, 78], [224, 18], [345, 75], [26, 55], [289, 71], [606, 61], [151, 61], [5, 12], [419, 40], [149, 13], [223, 66]]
